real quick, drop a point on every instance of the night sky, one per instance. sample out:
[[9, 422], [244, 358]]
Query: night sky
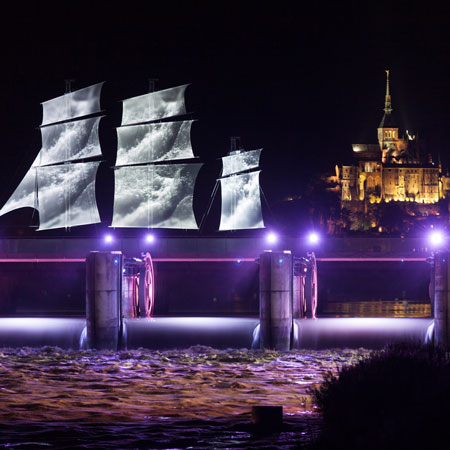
[[303, 82]]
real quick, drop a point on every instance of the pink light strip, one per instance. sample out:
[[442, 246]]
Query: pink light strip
[[203, 259], [41, 260], [369, 259], [72, 260], [75, 260]]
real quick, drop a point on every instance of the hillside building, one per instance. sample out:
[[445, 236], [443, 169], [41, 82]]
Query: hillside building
[[394, 169]]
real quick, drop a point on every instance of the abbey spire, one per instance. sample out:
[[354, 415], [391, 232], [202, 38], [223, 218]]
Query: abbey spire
[[388, 129], [387, 99]]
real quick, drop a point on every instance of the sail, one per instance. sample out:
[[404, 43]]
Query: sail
[[155, 196], [240, 162], [154, 106], [82, 102], [241, 199], [70, 141], [149, 194], [154, 142], [241, 202], [25, 194], [66, 195]]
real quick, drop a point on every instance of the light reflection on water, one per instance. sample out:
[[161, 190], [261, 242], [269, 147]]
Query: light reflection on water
[[40, 331], [164, 333], [190, 397], [355, 332], [197, 397], [377, 308]]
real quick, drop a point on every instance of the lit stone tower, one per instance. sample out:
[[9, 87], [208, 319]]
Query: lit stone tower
[[391, 170], [387, 130]]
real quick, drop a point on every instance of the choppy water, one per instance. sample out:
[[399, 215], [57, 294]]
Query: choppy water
[[195, 398]]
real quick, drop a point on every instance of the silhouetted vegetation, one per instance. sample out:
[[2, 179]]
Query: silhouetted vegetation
[[398, 398]]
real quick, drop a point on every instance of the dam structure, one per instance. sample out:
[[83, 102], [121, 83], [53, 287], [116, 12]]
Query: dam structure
[[206, 291]]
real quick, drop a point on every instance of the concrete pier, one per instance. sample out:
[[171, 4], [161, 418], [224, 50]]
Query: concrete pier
[[103, 299], [441, 300], [275, 300]]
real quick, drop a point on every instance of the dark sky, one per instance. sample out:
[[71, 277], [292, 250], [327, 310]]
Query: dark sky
[[303, 82]]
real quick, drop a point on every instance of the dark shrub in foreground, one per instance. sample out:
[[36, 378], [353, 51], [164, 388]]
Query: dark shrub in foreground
[[398, 398]]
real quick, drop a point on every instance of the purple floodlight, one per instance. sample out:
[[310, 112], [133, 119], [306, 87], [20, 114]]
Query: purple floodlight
[[108, 238], [436, 238], [313, 237], [271, 237], [149, 238]]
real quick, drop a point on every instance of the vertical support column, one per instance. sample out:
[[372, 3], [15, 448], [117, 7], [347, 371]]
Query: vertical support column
[[441, 300], [103, 299], [313, 306], [129, 296], [297, 297], [431, 289], [275, 300], [298, 289]]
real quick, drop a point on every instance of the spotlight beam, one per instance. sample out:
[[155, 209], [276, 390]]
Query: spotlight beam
[[436, 238]]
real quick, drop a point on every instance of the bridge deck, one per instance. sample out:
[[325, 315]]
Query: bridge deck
[[82, 260], [207, 249]]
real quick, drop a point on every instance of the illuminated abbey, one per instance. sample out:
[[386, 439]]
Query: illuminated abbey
[[393, 170]]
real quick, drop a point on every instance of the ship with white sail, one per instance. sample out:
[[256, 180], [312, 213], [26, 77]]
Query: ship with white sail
[[60, 184], [155, 170]]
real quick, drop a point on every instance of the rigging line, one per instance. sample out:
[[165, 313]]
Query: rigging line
[[90, 193], [233, 205], [267, 204], [211, 199], [151, 192], [36, 195], [149, 168], [151, 107], [67, 153]]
